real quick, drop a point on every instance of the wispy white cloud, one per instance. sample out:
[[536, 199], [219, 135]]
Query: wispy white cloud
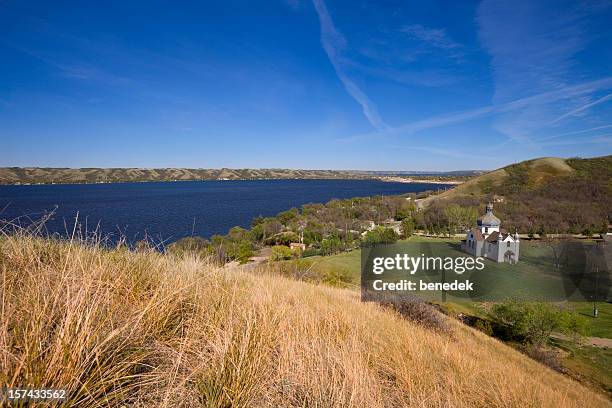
[[333, 43], [575, 132], [583, 108], [510, 107], [436, 37], [533, 47]]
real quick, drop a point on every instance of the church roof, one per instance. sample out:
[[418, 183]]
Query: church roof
[[489, 219], [495, 234], [477, 234]]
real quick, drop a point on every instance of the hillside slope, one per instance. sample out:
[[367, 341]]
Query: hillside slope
[[143, 329], [546, 195], [539, 170]]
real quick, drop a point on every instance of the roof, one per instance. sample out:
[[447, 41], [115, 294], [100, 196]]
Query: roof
[[489, 219], [477, 234], [494, 235]]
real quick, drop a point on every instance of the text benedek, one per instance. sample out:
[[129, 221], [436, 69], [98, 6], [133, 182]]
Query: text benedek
[[406, 285]]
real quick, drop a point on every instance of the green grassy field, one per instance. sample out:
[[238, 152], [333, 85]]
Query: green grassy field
[[592, 365], [600, 326]]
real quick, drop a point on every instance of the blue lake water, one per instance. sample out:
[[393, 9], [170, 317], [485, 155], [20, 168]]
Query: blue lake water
[[167, 211]]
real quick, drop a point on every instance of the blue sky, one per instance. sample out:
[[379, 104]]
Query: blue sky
[[381, 85]]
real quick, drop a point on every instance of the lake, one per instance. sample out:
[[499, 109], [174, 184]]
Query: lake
[[167, 211]]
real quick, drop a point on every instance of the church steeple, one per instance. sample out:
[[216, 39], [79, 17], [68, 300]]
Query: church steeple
[[489, 223]]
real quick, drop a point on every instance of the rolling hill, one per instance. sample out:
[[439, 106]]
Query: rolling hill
[[542, 195], [118, 328], [48, 175], [539, 170], [40, 175]]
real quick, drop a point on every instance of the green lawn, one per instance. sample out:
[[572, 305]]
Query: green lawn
[[348, 263], [588, 364], [531, 278], [600, 326]]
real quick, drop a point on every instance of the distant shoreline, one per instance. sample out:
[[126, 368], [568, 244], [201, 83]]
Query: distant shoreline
[[404, 181], [419, 181], [43, 176]]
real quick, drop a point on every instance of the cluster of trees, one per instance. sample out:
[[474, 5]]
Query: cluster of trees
[[237, 245], [447, 218], [325, 229]]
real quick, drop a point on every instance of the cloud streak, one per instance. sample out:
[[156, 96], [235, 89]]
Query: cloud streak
[[583, 108], [534, 49], [520, 104], [333, 43], [435, 37]]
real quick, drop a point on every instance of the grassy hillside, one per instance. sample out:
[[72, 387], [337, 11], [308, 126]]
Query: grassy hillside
[[538, 172], [145, 329], [32, 175], [547, 195]]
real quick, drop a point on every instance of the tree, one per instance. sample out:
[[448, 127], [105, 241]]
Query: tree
[[407, 227], [286, 217], [244, 252], [460, 218], [379, 235], [331, 245], [239, 234], [534, 322], [281, 252], [405, 210]]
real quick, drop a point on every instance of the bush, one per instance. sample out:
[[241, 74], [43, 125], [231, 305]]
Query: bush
[[484, 326], [414, 309], [546, 356], [281, 252], [533, 322], [244, 252], [311, 252], [379, 235], [407, 227], [331, 246]]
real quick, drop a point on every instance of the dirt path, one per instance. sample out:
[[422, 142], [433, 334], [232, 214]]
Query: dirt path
[[599, 342]]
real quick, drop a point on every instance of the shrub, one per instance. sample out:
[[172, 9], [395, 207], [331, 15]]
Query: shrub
[[407, 227], [414, 309], [534, 322], [311, 252], [544, 355], [379, 235], [484, 326], [281, 252]]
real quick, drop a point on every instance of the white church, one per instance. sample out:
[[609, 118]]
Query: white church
[[490, 241]]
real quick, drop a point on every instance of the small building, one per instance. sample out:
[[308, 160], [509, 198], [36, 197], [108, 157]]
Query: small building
[[297, 246], [491, 241], [607, 237]]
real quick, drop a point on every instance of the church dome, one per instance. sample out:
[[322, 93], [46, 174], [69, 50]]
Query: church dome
[[489, 220]]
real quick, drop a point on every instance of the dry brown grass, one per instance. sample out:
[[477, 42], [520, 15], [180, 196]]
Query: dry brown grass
[[143, 329]]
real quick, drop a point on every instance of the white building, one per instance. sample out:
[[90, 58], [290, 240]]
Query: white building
[[491, 241]]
